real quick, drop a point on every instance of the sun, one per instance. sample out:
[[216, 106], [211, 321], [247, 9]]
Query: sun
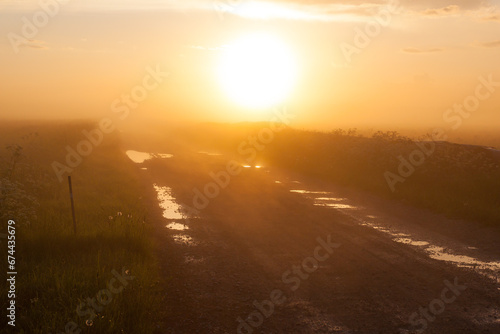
[[257, 71]]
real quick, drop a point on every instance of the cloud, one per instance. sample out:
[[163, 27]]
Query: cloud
[[35, 44], [493, 44], [356, 10], [302, 10], [409, 4], [445, 11], [492, 17], [482, 13], [415, 50]]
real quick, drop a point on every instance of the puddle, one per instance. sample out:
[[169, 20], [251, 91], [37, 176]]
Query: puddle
[[210, 153], [255, 166], [177, 226], [380, 228], [400, 235], [439, 253], [140, 157], [332, 199], [335, 206], [323, 201], [488, 269], [412, 242], [184, 239], [300, 191], [161, 155], [171, 210]]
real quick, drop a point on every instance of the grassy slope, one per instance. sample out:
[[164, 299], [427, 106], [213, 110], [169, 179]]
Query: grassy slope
[[459, 181], [58, 270]]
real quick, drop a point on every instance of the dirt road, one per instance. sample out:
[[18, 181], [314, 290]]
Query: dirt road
[[260, 258]]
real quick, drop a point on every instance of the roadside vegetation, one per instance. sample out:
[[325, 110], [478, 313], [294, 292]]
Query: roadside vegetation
[[460, 181], [457, 180], [58, 271]]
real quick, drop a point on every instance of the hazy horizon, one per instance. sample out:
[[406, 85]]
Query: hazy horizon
[[244, 166], [410, 64]]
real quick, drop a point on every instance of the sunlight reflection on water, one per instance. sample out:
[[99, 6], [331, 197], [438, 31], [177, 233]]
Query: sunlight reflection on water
[[300, 191], [177, 226], [140, 157], [409, 241], [335, 205], [336, 199], [171, 210], [184, 239], [439, 253], [210, 153], [490, 269]]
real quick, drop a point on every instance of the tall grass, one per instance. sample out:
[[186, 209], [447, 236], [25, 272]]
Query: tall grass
[[58, 270], [458, 180]]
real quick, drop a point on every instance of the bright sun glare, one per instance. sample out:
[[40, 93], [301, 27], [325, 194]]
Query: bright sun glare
[[257, 71]]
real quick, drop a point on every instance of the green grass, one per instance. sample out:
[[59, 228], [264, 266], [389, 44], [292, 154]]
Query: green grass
[[58, 270]]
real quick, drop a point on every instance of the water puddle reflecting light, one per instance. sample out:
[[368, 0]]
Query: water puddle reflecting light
[[439, 253], [140, 157], [214, 154], [184, 239], [489, 269], [332, 199], [301, 191], [171, 210], [177, 226], [409, 241], [335, 205]]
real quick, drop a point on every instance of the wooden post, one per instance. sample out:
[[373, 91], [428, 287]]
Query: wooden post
[[72, 202]]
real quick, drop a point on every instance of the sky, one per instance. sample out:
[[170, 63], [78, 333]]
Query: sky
[[377, 64]]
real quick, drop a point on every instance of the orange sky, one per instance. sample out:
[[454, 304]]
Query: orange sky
[[420, 60]]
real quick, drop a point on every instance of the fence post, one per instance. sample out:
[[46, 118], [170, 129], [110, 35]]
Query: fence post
[[72, 202]]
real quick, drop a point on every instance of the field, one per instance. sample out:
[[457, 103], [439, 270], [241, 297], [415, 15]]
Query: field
[[120, 272], [60, 272], [459, 181]]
